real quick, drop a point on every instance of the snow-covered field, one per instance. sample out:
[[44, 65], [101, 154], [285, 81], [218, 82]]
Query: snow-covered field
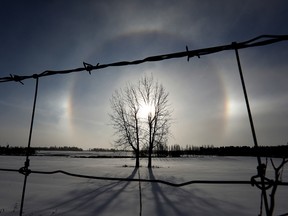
[[64, 195]]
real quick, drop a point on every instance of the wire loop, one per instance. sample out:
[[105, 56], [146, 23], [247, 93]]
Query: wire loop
[[25, 171], [261, 174]]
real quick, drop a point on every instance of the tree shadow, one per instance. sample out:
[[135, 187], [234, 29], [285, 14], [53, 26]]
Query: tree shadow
[[121, 197], [87, 199], [168, 200], [113, 196], [162, 202]]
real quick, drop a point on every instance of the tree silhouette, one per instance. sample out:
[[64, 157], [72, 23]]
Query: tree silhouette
[[125, 118], [141, 116], [158, 120]]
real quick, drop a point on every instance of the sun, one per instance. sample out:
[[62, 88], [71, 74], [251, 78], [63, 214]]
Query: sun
[[145, 110]]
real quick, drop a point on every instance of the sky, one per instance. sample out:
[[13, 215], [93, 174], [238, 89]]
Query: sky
[[204, 93]]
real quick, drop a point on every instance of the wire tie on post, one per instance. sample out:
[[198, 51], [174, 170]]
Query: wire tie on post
[[268, 183], [261, 169], [24, 170], [27, 163], [16, 78], [235, 45], [261, 174]]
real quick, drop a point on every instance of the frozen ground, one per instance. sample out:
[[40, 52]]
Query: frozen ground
[[63, 195]]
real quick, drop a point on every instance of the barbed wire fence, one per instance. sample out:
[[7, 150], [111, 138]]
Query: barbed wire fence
[[259, 180]]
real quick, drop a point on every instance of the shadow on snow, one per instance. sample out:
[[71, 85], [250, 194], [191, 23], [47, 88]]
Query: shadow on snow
[[122, 198]]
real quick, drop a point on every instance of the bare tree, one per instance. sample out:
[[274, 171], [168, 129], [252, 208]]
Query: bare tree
[[148, 128], [125, 109], [158, 118]]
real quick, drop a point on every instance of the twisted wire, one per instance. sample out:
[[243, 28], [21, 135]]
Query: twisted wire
[[261, 40]]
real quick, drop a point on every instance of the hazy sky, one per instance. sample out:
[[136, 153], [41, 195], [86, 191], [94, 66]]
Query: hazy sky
[[205, 93]]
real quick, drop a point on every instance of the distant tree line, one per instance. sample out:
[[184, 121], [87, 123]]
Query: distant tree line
[[263, 151], [105, 150], [10, 150], [169, 151], [7, 150], [58, 148]]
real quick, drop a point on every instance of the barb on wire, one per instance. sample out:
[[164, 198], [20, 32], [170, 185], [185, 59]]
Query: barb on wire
[[88, 67], [257, 41], [16, 78]]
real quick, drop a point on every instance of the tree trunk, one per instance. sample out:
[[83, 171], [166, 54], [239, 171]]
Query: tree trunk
[[150, 150], [137, 162]]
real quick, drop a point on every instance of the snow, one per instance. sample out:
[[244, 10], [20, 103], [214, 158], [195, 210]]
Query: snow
[[59, 194]]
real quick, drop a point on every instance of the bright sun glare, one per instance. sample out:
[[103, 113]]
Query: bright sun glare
[[144, 110]]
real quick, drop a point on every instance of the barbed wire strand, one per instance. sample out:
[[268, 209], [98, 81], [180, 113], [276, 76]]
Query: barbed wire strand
[[254, 42]]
